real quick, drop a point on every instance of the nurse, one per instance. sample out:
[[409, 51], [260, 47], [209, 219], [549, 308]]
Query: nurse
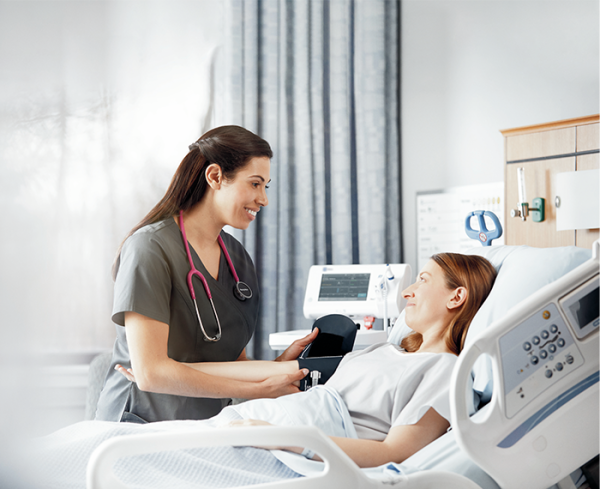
[[186, 291]]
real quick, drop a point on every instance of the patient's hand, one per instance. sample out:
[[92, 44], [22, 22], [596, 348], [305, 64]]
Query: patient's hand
[[247, 422], [242, 423], [294, 350], [126, 372]]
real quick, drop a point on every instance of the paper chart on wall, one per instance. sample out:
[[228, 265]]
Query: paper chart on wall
[[441, 217]]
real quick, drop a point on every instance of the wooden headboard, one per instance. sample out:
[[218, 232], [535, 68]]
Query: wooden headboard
[[544, 150]]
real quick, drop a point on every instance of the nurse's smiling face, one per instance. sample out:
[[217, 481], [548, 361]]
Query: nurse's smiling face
[[239, 200]]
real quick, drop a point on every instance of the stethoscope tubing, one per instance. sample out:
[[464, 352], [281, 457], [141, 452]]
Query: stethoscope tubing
[[228, 258], [241, 290]]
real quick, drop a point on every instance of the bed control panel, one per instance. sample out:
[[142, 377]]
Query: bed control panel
[[536, 354]]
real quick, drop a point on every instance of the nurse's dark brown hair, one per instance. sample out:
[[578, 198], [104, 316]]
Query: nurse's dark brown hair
[[230, 147], [474, 273]]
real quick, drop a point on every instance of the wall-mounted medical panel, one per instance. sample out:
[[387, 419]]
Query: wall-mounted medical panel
[[539, 183], [543, 151]]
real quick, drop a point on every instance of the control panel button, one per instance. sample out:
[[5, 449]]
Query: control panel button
[[540, 444], [536, 354]]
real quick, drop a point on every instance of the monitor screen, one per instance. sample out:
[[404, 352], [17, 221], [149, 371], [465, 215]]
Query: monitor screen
[[586, 309], [344, 287]]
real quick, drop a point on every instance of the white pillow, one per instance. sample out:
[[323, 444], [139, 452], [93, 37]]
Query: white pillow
[[399, 330], [522, 270]]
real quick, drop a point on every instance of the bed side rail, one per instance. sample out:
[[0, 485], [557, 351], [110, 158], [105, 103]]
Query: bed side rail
[[339, 470]]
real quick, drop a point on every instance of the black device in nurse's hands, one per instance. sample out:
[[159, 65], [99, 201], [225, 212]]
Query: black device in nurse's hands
[[322, 357]]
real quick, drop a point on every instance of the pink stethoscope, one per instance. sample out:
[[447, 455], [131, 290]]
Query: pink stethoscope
[[241, 290]]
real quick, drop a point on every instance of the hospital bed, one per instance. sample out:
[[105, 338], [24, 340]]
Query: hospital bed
[[475, 453]]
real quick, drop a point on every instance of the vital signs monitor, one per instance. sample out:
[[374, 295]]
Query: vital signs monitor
[[356, 291]]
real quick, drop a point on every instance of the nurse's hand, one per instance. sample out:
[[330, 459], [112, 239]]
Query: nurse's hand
[[281, 385], [126, 372], [297, 346]]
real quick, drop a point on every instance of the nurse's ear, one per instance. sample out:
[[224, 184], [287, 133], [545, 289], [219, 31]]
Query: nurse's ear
[[458, 298], [214, 176]]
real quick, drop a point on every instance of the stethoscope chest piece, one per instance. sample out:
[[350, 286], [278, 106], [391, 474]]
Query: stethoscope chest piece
[[242, 291]]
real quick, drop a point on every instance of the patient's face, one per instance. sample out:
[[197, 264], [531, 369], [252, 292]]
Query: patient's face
[[427, 299]]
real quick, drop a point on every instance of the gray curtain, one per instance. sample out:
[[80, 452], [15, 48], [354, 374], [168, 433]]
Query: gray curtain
[[319, 81]]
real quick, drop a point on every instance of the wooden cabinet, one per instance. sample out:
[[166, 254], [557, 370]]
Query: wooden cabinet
[[543, 151]]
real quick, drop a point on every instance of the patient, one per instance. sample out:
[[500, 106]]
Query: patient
[[382, 405]]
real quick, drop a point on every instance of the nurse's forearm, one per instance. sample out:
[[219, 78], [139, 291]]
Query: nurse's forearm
[[171, 377], [154, 371], [250, 371]]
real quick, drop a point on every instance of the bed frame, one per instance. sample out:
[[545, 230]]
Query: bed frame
[[339, 470]]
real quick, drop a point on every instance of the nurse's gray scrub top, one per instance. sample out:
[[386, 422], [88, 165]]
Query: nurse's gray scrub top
[[151, 280]]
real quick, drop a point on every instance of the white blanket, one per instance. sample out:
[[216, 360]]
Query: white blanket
[[61, 458], [320, 406]]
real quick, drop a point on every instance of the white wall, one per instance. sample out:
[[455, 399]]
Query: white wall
[[471, 68], [98, 104], [99, 101]]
